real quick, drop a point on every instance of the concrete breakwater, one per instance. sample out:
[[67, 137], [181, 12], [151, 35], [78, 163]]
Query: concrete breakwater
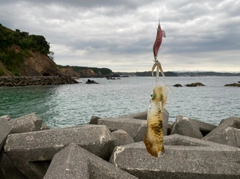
[[11, 81], [113, 148]]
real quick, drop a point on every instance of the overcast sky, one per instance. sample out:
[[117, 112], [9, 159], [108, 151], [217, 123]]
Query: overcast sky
[[119, 34]]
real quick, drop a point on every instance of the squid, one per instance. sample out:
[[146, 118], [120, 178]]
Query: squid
[[153, 139]]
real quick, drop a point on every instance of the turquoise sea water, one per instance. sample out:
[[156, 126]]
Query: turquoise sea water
[[69, 105]]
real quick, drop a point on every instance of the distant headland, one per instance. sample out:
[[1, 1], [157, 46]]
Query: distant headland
[[24, 54]]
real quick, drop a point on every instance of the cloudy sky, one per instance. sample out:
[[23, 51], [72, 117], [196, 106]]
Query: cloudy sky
[[119, 34]]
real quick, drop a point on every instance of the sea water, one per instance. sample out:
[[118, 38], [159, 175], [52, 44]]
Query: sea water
[[70, 105]]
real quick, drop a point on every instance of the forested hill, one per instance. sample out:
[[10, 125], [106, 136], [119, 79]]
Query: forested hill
[[22, 54]]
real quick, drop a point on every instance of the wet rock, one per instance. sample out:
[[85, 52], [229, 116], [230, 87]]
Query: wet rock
[[32, 152], [184, 158], [74, 162], [191, 127], [233, 84], [195, 84], [227, 132], [177, 85], [91, 82]]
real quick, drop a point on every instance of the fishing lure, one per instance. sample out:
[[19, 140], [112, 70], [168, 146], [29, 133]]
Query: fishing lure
[[154, 137], [158, 41], [156, 46]]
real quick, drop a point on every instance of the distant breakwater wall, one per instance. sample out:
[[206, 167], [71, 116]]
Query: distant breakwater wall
[[10, 81]]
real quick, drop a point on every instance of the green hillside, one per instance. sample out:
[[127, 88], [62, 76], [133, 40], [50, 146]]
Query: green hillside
[[16, 45]]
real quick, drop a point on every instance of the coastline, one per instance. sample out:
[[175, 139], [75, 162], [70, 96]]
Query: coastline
[[13, 81]]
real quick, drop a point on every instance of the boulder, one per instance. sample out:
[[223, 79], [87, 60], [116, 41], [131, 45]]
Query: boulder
[[32, 152], [184, 158], [74, 162], [233, 84], [177, 85], [122, 137], [227, 132], [91, 82], [27, 123], [191, 127], [195, 84]]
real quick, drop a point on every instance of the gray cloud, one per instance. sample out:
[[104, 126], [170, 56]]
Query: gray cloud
[[120, 34]]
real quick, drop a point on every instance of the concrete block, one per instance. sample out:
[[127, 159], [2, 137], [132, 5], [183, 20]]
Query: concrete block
[[134, 127], [140, 115], [122, 137], [74, 162], [94, 120], [5, 129], [5, 117], [27, 123], [143, 116], [165, 121], [232, 136], [33, 151], [191, 127], [9, 171], [227, 132], [184, 157], [44, 126]]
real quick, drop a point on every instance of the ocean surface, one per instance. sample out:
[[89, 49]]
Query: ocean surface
[[70, 105]]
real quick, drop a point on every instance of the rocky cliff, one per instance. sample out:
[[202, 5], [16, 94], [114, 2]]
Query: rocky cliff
[[22, 54], [36, 64], [85, 72]]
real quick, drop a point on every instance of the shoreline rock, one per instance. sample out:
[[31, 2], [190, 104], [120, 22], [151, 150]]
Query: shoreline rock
[[195, 84], [177, 85], [10, 81], [91, 82], [233, 84]]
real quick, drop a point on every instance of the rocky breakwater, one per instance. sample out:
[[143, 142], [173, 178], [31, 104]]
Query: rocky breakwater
[[11, 81], [113, 148]]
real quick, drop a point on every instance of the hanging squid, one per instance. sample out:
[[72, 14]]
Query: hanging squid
[[154, 137]]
